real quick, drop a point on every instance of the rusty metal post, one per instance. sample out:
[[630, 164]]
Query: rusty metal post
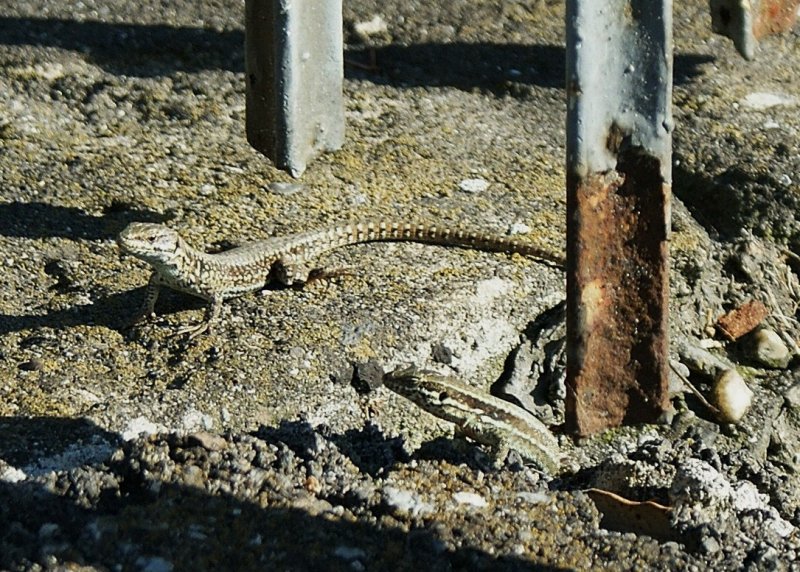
[[747, 22], [294, 59], [619, 146]]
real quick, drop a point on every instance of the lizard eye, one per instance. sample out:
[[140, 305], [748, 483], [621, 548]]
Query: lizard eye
[[443, 396]]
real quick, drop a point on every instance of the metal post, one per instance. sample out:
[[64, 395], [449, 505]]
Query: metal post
[[294, 58], [619, 126]]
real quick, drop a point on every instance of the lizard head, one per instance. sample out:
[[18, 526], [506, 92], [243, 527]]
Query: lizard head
[[148, 241]]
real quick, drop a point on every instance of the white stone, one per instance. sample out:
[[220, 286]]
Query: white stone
[[760, 100], [473, 185], [732, 396], [473, 499], [375, 26]]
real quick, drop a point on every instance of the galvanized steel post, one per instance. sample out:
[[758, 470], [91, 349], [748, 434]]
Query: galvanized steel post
[[294, 59], [619, 144]]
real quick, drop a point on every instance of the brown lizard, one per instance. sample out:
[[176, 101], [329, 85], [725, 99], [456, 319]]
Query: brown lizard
[[247, 268]]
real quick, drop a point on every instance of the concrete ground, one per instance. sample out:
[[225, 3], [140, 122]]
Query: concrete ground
[[256, 447]]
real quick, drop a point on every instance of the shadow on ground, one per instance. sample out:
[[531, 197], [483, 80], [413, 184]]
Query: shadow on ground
[[110, 512], [153, 50]]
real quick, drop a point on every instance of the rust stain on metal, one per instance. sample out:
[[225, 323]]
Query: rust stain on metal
[[742, 320], [618, 271], [775, 17], [748, 22]]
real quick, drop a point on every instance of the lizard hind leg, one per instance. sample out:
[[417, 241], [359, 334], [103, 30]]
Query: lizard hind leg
[[298, 275], [289, 272]]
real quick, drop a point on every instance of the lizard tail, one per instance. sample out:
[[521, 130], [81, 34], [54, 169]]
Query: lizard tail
[[387, 231]]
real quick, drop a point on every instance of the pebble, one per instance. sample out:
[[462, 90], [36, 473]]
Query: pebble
[[768, 349], [763, 100], [699, 494], [285, 189], [33, 364], [313, 485], [792, 396], [193, 476], [473, 499], [533, 497], [138, 426], [732, 396], [700, 360], [709, 545], [473, 185], [676, 385], [442, 354], [405, 501], [369, 374], [519, 228], [11, 475], [207, 441], [371, 27]]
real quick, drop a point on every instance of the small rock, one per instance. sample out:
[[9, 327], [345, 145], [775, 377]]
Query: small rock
[[732, 396], [747, 498], [405, 501], [369, 374], [676, 385], [207, 441], [709, 545], [768, 349], [763, 557], [700, 495], [760, 100], [700, 360], [473, 185], [519, 228], [534, 497], [193, 476], [472, 499], [372, 27], [344, 374], [33, 364], [442, 354], [12, 475], [792, 397], [285, 189], [313, 485], [139, 426]]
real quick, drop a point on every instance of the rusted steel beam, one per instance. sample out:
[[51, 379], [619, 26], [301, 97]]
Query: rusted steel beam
[[747, 22], [619, 144], [294, 59]]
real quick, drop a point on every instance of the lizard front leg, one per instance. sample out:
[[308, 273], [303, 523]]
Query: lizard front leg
[[498, 444], [212, 314], [151, 293]]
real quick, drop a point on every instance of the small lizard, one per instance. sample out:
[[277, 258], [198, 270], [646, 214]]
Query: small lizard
[[217, 277], [484, 418]]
